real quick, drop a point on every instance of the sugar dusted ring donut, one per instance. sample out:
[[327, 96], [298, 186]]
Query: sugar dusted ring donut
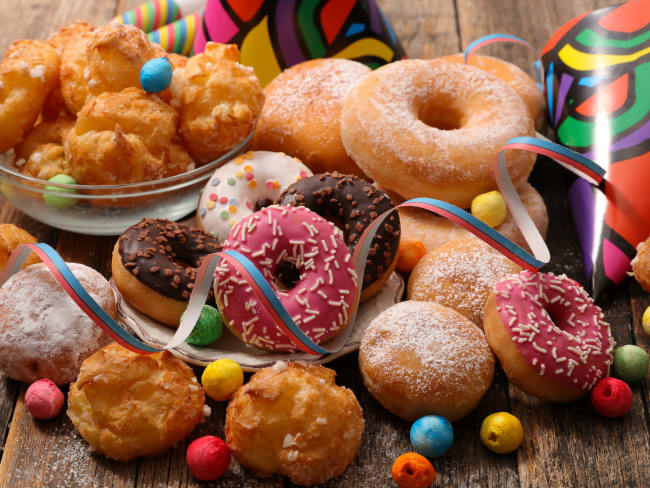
[[549, 336], [431, 127], [304, 259]]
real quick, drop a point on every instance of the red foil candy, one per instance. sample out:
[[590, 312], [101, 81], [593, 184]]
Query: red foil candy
[[611, 397], [208, 458]]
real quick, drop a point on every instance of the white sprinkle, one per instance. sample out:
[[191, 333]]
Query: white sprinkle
[[280, 366]]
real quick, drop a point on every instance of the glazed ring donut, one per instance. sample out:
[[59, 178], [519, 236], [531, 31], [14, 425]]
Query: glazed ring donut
[[514, 76], [244, 185], [433, 128], [302, 113], [551, 339], [641, 264], [354, 203], [146, 266], [305, 260], [434, 231]]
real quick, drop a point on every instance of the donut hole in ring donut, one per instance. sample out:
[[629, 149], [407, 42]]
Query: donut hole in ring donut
[[441, 116], [287, 276]]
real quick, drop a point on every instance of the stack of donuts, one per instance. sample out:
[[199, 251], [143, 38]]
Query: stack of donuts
[[336, 146]]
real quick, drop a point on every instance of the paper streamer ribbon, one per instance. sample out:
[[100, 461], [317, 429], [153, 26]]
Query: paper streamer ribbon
[[267, 297], [493, 38], [158, 13], [178, 37]]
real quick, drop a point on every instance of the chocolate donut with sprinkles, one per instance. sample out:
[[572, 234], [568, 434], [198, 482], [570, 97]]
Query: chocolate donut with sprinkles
[[305, 261], [551, 339], [155, 263], [353, 204]]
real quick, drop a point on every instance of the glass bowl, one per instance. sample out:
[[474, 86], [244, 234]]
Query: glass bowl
[[107, 209]]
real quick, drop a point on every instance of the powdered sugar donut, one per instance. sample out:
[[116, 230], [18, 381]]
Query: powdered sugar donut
[[420, 358], [514, 76], [305, 260], [433, 231], [244, 185], [302, 113], [549, 336], [43, 333], [438, 126], [460, 275]]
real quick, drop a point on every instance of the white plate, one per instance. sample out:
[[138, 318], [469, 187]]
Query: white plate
[[229, 346]]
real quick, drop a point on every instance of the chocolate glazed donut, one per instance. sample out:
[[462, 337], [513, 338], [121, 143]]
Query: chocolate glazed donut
[[155, 265], [352, 204]]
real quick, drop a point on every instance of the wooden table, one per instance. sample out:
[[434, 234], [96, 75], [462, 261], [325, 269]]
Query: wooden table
[[565, 445]]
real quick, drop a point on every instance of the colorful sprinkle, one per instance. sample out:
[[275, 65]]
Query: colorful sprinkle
[[303, 174], [231, 181], [248, 155], [248, 204], [239, 174], [213, 197], [224, 215], [209, 205], [232, 209], [248, 168], [223, 200], [249, 176], [215, 181], [239, 160], [233, 201], [252, 184], [269, 184], [232, 223], [202, 211]]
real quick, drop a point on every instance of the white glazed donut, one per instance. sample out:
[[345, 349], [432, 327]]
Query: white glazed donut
[[242, 186]]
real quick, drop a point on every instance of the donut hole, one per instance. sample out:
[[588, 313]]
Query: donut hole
[[559, 314], [287, 276], [441, 116]]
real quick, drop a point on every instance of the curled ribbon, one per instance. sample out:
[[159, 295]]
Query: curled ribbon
[[492, 38], [575, 162]]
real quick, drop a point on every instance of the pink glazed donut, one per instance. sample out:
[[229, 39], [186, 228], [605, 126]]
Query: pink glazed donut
[[551, 339], [305, 261]]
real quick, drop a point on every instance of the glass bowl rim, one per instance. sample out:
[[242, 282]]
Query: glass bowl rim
[[11, 176]]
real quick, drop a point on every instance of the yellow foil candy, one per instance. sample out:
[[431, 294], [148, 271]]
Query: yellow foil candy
[[221, 378], [490, 207], [502, 432], [646, 321]]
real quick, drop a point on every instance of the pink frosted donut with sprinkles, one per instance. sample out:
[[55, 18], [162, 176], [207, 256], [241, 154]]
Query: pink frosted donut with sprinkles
[[550, 337], [242, 186], [305, 260]]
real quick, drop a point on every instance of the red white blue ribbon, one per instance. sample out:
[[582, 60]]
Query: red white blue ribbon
[[267, 297], [493, 38]]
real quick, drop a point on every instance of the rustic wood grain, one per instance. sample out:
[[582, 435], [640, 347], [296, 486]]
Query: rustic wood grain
[[564, 446]]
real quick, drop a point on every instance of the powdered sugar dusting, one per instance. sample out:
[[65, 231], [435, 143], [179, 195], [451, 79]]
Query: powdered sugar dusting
[[423, 344], [42, 329], [312, 90], [391, 97], [460, 275]]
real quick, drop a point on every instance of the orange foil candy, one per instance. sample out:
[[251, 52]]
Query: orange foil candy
[[411, 470]]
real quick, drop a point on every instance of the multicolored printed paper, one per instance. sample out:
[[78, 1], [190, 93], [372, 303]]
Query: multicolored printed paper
[[178, 37], [158, 13], [275, 34], [597, 72]]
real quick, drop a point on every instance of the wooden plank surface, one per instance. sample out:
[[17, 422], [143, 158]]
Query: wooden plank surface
[[564, 445]]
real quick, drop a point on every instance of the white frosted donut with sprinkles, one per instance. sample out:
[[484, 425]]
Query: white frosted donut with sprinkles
[[550, 337], [305, 260], [243, 185]]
